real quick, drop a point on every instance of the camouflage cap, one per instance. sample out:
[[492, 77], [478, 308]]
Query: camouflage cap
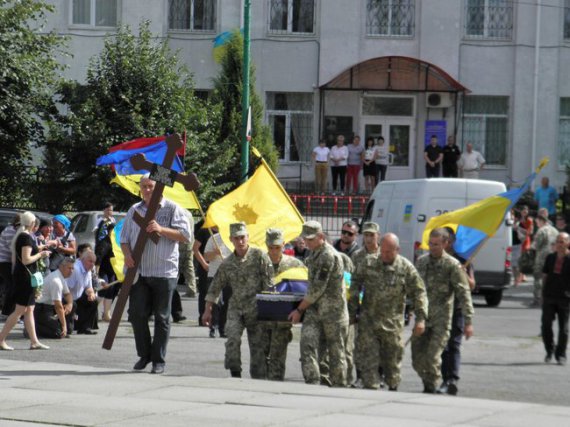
[[238, 229], [310, 229], [274, 237], [370, 227]]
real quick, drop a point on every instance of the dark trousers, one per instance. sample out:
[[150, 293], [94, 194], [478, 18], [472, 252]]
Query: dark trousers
[[450, 170], [432, 171], [151, 295], [86, 312], [338, 172], [47, 322], [220, 310], [176, 304], [6, 292], [552, 308], [381, 173], [203, 284], [451, 356]]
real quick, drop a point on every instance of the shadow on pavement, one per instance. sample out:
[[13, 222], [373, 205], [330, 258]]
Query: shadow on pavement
[[52, 373]]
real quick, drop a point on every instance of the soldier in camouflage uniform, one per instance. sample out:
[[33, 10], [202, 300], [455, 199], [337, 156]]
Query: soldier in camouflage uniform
[[277, 335], [248, 271], [371, 236], [186, 264], [543, 243], [388, 279], [443, 278], [325, 306]]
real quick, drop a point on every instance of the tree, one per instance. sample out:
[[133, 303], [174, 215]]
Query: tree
[[28, 75], [134, 88], [228, 86]]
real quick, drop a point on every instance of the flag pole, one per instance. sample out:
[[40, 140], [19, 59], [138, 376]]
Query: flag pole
[[245, 92]]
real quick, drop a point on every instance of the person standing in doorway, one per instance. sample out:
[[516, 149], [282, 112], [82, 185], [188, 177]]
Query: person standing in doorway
[[354, 161], [451, 155], [320, 156], [338, 158], [382, 160], [433, 156]]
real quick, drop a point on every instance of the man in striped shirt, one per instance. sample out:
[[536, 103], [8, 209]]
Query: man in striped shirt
[[158, 268]]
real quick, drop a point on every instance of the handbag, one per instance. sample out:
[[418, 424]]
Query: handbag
[[37, 279], [526, 261]]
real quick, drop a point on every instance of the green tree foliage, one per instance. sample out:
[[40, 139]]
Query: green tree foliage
[[134, 88], [28, 74], [228, 86]]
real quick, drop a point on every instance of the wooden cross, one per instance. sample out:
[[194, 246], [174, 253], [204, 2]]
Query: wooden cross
[[163, 176]]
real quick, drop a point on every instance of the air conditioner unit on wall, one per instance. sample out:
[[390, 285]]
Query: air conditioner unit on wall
[[438, 100]]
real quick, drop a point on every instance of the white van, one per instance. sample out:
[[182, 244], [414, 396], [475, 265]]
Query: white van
[[405, 207]]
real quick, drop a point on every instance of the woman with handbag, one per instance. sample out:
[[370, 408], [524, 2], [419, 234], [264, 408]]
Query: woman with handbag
[[25, 255]]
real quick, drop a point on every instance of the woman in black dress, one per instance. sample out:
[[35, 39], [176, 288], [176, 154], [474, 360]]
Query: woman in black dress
[[25, 255]]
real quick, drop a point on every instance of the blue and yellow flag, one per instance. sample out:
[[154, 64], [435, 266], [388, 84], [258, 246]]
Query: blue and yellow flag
[[118, 260], [475, 223], [261, 203], [154, 150]]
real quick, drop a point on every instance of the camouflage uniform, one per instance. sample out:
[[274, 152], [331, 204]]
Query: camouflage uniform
[[381, 322], [278, 335], [246, 276], [543, 241], [327, 316], [443, 279], [186, 267]]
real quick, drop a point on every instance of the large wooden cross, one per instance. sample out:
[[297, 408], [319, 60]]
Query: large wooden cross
[[163, 176]]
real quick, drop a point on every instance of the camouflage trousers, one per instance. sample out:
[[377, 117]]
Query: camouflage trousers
[[375, 349], [334, 333], [426, 354], [276, 338], [186, 267], [236, 323], [537, 289]]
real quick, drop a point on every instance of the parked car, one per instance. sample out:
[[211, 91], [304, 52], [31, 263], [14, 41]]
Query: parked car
[[7, 215], [84, 224]]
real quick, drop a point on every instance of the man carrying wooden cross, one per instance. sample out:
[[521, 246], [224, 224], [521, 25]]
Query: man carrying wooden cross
[[152, 293]]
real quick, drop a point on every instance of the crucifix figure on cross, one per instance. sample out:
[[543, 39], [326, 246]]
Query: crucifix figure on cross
[[155, 264]]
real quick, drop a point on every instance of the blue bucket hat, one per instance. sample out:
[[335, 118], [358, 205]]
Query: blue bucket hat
[[63, 220]]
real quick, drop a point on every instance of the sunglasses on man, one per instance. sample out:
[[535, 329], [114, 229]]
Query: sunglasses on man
[[348, 232]]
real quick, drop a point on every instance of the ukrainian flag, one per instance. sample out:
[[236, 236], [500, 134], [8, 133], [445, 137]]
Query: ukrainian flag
[[118, 260], [154, 150], [475, 223]]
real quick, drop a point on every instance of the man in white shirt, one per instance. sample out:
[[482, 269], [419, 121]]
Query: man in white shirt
[[80, 284], [471, 162], [321, 158], [50, 313]]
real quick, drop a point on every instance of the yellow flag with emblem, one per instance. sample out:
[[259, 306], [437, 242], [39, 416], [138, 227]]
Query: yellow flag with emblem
[[261, 203]]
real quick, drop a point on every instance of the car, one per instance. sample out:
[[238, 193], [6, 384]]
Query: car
[[84, 224], [7, 215]]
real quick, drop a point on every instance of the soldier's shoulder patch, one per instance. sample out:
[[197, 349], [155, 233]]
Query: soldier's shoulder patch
[[323, 273]]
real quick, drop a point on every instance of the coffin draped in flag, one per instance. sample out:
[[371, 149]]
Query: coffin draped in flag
[[475, 223], [262, 203], [154, 150]]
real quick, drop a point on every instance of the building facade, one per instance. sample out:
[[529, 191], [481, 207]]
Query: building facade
[[490, 72]]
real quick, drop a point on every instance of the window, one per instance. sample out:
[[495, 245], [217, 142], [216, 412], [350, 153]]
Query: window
[[387, 106], [567, 19], [390, 17], [485, 125], [192, 15], [490, 19], [95, 13], [564, 132], [292, 16], [290, 117]]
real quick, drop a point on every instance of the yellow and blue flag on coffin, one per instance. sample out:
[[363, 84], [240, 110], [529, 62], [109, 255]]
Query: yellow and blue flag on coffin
[[475, 223], [293, 280], [262, 203], [118, 259]]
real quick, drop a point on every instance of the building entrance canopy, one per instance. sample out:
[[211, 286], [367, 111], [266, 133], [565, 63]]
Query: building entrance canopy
[[395, 73]]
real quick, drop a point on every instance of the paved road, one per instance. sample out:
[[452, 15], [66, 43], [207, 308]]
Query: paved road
[[503, 361]]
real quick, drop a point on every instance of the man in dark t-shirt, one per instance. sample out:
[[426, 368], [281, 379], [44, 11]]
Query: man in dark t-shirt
[[433, 156], [556, 299], [451, 154]]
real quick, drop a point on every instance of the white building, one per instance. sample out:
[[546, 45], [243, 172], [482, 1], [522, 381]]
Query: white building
[[499, 70]]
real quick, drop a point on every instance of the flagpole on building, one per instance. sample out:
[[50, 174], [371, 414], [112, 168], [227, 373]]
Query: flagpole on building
[[245, 92]]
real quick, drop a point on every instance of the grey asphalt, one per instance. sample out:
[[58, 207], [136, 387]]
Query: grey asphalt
[[504, 382]]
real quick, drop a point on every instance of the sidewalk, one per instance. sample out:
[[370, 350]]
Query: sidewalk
[[39, 393]]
